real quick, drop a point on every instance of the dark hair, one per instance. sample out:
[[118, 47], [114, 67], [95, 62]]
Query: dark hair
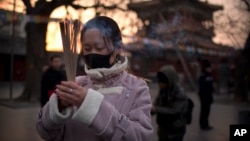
[[161, 77], [108, 28], [205, 64], [53, 57]]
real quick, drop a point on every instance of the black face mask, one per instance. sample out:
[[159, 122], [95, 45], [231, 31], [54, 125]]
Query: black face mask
[[97, 61]]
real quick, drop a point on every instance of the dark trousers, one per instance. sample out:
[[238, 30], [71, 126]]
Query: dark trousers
[[175, 139], [204, 114], [163, 135]]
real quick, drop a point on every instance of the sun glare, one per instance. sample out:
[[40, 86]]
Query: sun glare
[[127, 21], [53, 37]]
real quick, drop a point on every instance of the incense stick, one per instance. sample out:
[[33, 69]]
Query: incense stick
[[69, 33]]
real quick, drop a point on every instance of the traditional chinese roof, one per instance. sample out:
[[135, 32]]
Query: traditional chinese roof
[[147, 10]]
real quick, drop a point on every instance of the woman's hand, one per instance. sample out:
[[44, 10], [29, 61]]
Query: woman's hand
[[71, 93], [153, 109], [62, 104]]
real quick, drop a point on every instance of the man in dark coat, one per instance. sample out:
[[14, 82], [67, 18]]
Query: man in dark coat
[[205, 94], [51, 77]]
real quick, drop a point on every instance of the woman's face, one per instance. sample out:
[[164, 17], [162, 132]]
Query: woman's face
[[56, 63], [163, 85], [93, 42]]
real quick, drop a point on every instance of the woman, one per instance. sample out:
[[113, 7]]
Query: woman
[[170, 106], [106, 104]]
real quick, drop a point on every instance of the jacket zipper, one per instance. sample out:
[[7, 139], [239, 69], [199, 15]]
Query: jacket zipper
[[125, 101]]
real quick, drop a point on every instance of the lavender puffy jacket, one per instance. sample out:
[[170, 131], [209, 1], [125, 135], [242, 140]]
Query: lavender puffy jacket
[[116, 107]]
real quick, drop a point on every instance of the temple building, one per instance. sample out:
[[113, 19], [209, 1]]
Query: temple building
[[12, 41], [172, 27]]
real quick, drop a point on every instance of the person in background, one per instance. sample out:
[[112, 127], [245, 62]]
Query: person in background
[[52, 76], [106, 104], [170, 106], [205, 94]]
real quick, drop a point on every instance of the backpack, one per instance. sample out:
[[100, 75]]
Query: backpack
[[189, 111]]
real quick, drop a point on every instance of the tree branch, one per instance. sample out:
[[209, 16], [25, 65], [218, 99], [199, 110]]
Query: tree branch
[[50, 6], [111, 7], [27, 5]]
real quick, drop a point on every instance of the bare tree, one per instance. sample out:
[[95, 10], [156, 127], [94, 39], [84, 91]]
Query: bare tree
[[243, 65], [237, 28], [234, 25], [35, 42], [247, 4]]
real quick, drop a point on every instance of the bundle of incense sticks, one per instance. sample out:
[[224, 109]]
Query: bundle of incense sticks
[[70, 33]]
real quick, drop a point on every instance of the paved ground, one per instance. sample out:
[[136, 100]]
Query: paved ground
[[18, 124]]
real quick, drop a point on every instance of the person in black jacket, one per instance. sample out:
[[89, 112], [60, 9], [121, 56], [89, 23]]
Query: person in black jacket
[[50, 78], [170, 106], [205, 94]]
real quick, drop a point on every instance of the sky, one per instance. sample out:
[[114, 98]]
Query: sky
[[233, 34]]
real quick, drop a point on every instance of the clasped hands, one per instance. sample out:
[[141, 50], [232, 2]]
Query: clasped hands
[[70, 94]]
